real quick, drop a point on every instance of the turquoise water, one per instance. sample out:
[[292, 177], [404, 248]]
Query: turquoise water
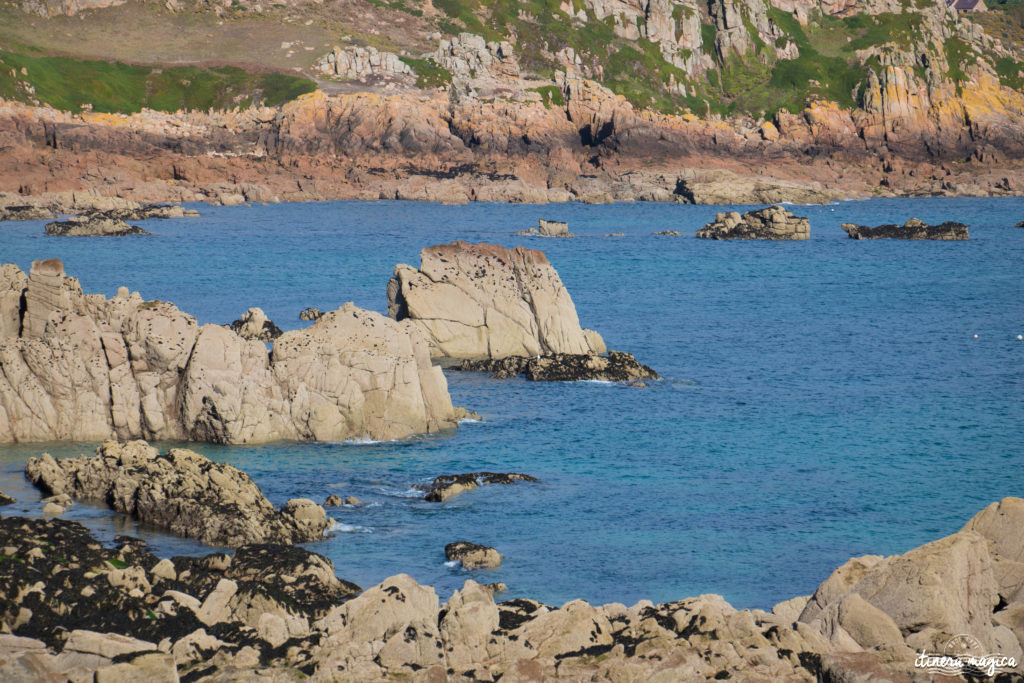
[[821, 399]]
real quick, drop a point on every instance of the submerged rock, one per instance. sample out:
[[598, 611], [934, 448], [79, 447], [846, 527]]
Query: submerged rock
[[93, 226], [772, 223], [181, 491], [473, 555], [563, 367], [310, 314], [255, 325], [25, 212], [668, 233], [486, 301], [86, 368], [448, 485], [5, 499], [914, 229], [147, 211], [548, 229]]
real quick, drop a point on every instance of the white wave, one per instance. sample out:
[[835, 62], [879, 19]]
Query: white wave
[[337, 527], [468, 420], [395, 493], [453, 563]]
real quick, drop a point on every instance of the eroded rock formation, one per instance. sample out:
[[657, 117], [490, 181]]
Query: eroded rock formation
[[773, 223], [254, 324], [473, 555], [913, 229], [86, 368], [93, 226], [448, 485], [180, 491], [564, 367], [221, 618], [486, 301]]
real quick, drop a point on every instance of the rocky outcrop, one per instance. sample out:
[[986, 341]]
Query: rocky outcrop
[[473, 555], [310, 314], [334, 500], [563, 367], [5, 499], [222, 618], [93, 226], [180, 491], [773, 223], [254, 325], [448, 485], [25, 213], [86, 368], [548, 229], [353, 63], [913, 229], [667, 233], [486, 301], [148, 211]]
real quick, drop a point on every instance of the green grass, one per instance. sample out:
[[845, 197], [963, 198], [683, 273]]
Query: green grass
[[1009, 72], [551, 95], [117, 564], [429, 74], [113, 87], [958, 55]]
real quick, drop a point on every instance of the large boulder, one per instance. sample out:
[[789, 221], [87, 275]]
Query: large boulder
[[449, 485], [181, 491], [87, 368], [485, 301], [255, 325], [772, 223]]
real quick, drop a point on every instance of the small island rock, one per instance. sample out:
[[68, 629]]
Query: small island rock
[[772, 223], [310, 314], [548, 229], [564, 367], [93, 226], [473, 555], [913, 229], [448, 485]]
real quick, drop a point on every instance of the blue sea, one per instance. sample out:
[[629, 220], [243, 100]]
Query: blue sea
[[821, 399]]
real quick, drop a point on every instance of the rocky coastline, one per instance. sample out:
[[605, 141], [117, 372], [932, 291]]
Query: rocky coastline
[[272, 611]]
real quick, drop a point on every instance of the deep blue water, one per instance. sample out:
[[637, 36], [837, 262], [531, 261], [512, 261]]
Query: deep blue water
[[822, 399]]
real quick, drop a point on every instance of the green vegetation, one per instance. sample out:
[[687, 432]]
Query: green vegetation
[[958, 54], [1010, 72], [116, 563], [551, 95], [429, 74], [71, 84]]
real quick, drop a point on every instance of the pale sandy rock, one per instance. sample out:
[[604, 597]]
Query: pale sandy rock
[[107, 645], [181, 491], [254, 325], [53, 510], [190, 648], [485, 301], [773, 223], [164, 569], [837, 584], [87, 368], [473, 555], [790, 610], [351, 63], [152, 667], [467, 625]]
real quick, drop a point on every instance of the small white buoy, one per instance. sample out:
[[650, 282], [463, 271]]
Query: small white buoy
[[975, 336], [1020, 337]]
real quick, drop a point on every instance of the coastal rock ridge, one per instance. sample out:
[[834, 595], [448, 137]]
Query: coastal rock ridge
[[86, 368], [913, 229], [180, 491]]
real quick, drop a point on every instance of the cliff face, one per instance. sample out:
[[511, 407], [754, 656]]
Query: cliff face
[[623, 99], [85, 368]]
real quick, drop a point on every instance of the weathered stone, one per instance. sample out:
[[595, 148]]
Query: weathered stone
[[548, 229], [913, 229], [85, 368], [562, 367], [773, 223], [254, 325], [485, 301], [93, 226], [448, 485], [310, 314], [181, 491], [473, 555]]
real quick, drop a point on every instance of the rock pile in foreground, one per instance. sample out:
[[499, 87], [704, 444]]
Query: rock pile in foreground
[[913, 229], [772, 223], [83, 367], [93, 226], [485, 301], [448, 485], [180, 491], [564, 367], [74, 607]]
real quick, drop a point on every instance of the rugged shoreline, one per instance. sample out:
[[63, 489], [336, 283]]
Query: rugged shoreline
[[273, 611]]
